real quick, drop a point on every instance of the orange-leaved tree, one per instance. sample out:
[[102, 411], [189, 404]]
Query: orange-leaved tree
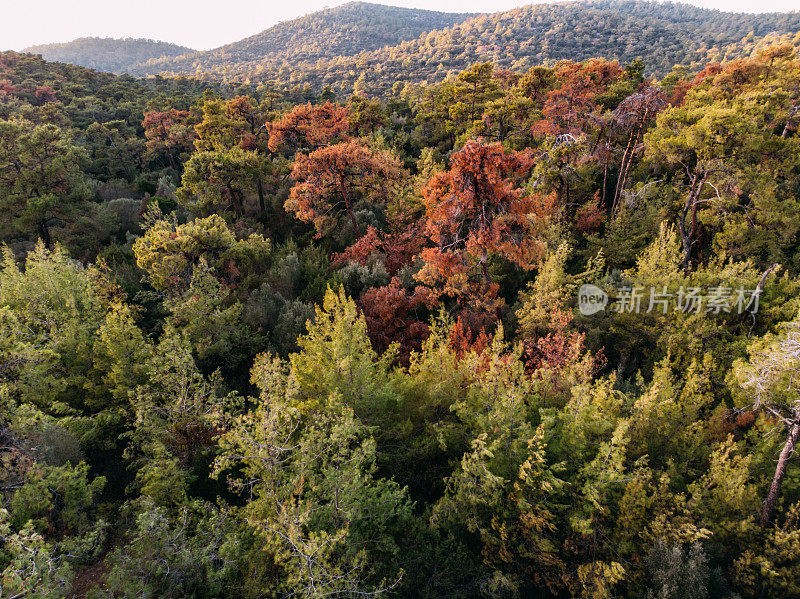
[[396, 248], [308, 126], [474, 211], [570, 106], [331, 179]]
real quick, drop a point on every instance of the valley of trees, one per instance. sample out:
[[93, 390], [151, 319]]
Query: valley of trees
[[279, 341]]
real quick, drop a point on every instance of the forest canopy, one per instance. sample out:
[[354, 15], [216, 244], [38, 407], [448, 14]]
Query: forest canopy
[[525, 330]]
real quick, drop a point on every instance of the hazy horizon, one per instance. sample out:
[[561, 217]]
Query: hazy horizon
[[193, 24]]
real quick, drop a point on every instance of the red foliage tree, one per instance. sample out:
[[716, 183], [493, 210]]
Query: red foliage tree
[[363, 250], [462, 339], [7, 88], [558, 348], [308, 126], [590, 217], [395, 248], [328, 178], [475, 210], [45, 94], [570, 104], [558, 359], [393, 314]]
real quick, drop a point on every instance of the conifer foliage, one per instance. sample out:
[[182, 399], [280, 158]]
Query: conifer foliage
[[521, 332]]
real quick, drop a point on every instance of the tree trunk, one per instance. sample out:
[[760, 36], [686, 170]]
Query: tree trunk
[[346, 199], [236, 202], [790, 122], [44, 233], [623, 172], [261, 203], [780, 472], [487, 280], [472, 109], [698, 182], [172, 162]]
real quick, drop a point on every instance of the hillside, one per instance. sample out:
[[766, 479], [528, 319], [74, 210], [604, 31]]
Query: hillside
[[107, 54], [342, 31], [662, 35], [509, 335]]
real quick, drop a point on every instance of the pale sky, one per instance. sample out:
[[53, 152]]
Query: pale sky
[[204, 24]]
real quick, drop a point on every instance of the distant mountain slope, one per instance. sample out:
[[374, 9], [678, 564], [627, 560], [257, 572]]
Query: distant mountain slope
[[661, 34], [107, 54], [342, 31]]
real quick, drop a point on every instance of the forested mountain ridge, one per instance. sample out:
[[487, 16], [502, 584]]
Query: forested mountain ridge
[[345, 30], [662, 35], [107, 54]]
